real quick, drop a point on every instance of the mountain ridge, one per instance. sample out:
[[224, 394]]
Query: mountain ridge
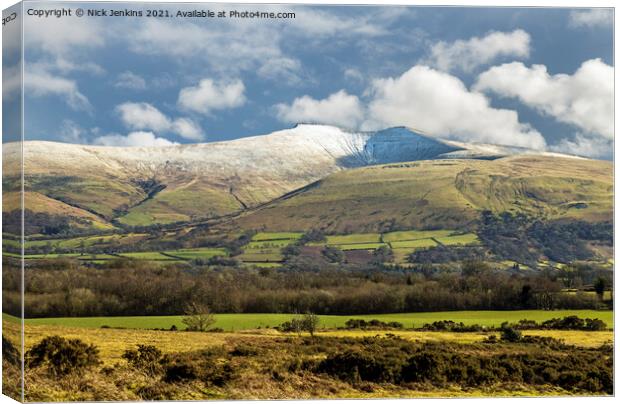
[[207, 180]]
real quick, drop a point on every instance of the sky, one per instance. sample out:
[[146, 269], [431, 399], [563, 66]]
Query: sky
[[533, 77]]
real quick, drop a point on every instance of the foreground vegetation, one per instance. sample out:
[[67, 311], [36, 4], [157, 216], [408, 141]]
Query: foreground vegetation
[[231, 322], [119, 364]]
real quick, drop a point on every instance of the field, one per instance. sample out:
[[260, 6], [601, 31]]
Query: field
[[230, 322], [268, 364]]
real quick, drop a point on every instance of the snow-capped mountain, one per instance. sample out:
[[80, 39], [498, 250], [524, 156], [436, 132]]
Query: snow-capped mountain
[[220, 177]]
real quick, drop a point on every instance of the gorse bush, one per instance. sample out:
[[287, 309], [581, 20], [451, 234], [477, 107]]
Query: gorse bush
[[354, 323], [147, 358], [566, 323], [211, 366], [62, 356], [443, 365], [449, 325], [9, 352]]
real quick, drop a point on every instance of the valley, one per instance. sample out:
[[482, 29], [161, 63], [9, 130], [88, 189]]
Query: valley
[[388, 243]]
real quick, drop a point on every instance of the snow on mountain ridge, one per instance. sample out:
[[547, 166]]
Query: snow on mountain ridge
[[299, 152]]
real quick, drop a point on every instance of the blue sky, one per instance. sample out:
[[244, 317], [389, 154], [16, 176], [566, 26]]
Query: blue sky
[[533, 77]]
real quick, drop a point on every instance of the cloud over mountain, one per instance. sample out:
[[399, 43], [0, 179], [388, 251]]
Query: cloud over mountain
[[467, 54]]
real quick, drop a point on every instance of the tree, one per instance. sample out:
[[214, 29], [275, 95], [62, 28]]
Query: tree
[[510, 334], [310, 322], [599, 286], [198, 317], [383, 254], [333, 254]]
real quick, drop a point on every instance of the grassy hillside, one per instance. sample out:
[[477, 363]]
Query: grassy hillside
[[444, 194]]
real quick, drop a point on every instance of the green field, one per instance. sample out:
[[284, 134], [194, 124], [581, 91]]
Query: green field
[[269, 244], [276, 236], [149, 256], [461, 239], [354, 238], [359, 246], [421, 243], [196, 253], [415, 235], [231, 322]]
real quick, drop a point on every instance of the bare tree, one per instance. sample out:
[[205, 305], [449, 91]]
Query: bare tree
[[198, 317]]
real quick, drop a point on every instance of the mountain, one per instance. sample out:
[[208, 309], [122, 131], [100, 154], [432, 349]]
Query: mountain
[[148, 185], [443, 194]]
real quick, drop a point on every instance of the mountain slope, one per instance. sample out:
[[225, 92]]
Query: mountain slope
[[447, 194], [144, 186]]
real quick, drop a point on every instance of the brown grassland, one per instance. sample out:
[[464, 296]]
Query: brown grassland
[[267, 364]]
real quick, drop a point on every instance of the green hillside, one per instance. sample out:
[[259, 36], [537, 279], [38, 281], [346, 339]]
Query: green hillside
[[443, 194]]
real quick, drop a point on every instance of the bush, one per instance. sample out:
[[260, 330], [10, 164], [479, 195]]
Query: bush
[[209, 366], [354, 323], [449, 325], [62, 356], [9, 352], [355, 366], [574, 323], [510, 334], [146, 357]]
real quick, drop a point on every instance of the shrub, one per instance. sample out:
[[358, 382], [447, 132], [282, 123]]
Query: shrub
[[146, 357], [210, 366], [62, 356], [355, 366], [449, 325], [9, 352], [354, 323], [510, 334]]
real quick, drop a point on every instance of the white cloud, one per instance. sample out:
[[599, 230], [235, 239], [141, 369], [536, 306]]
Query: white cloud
[[595, 17], [227, 47], [40, 84], [584, 145], [585, 99], [130, 81], [439, 104], [71, 132], [11, 81], [141, 115], [144, 116], [188, 129], [468, 54], [314, 22], [339, 109], [353, 74], [283, 68], [133, 139], [209, 95], [61, 36]]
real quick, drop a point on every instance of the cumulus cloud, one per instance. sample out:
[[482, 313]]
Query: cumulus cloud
[[584, 99], [439, 104], [144, 116], [133, 139], [353, 74], [130, 81], [225, 47], [11, 81], [61, 36], [468, 54], [209, 95], [187, 129], [141, 115], [71, 132], [596, 17], [41, 84], [584, 145], [339, 108]]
